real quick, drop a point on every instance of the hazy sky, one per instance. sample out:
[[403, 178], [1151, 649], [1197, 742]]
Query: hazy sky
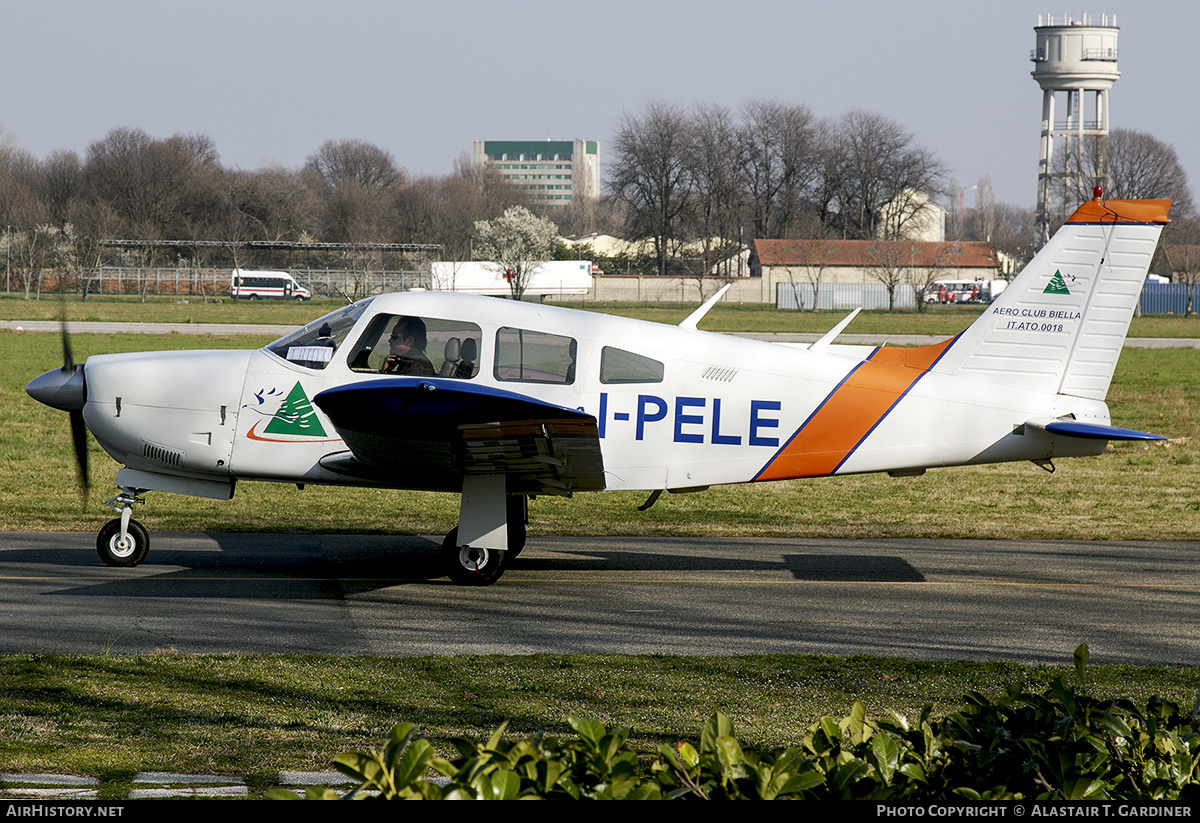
[[270, 81]]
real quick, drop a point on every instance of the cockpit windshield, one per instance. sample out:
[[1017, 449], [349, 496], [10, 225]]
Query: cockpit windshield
[[313, 345]]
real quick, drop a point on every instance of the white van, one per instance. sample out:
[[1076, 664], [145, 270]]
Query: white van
[[255, 284]]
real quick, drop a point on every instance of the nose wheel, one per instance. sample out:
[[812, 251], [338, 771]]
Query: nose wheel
[[123, 541], [127, 549]]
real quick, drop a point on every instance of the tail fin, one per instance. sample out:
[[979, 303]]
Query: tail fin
[[1060, 325]]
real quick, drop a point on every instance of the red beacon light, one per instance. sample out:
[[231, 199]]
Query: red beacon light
[[1096, 192]]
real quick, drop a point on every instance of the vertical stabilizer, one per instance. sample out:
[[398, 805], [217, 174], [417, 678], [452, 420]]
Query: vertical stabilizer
[[1060, 325]]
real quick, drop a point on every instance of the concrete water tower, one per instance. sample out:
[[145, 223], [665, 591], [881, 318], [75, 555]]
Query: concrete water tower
[[1074, 56]]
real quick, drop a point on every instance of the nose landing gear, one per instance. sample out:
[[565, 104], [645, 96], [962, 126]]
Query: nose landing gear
[[123, 541]]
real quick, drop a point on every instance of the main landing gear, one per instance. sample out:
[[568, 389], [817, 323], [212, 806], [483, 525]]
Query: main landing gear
[[123, 541], [481, 566]]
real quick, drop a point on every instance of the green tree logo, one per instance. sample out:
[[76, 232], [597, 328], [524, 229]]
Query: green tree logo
[[296, 416], [1056, 285]]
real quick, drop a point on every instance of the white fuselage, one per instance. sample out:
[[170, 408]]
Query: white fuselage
[[725, 409]]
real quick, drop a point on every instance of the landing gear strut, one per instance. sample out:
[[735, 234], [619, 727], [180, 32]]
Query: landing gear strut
[[518, 516], [123, 541], [480, 565]]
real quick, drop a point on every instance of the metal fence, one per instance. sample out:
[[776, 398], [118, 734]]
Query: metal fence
[[1168, 298], [843, 296], [1157, 298]]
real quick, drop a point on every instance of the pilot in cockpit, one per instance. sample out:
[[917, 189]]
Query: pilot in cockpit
[[406, 347]]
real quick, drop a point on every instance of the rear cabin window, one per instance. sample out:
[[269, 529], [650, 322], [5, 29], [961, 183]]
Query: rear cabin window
[[528, 356], [620, 366], [409, 345]]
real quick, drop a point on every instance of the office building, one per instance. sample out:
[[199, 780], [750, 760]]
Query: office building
[[552, 172]]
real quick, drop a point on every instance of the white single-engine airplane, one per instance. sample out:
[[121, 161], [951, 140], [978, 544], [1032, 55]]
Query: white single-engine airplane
[[502, 401]]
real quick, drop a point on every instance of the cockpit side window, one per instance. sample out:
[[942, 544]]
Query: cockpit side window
[[620, 366], [312, 346], [535, 357], [418, 346]]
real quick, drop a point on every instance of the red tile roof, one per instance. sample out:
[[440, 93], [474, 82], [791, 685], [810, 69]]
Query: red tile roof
[[869, 253]]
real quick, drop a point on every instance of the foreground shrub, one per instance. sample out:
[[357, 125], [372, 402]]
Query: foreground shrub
[[1059, 744]]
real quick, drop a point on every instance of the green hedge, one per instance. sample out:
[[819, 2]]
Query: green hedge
[[1056, 745]]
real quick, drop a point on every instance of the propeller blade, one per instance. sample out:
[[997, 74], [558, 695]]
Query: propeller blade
[[68, 361], [78, 429], [79, 438]]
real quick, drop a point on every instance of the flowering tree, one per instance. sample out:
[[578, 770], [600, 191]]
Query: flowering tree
[[517, 242]]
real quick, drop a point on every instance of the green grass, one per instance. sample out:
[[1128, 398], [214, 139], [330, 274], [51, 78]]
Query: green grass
[[111, 716], [173, 309], [725, 317], [1132, 492]]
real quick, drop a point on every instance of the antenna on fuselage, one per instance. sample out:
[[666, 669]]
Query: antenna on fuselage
[[695, 317]]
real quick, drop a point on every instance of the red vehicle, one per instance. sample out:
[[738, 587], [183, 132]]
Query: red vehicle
[[964, 291]]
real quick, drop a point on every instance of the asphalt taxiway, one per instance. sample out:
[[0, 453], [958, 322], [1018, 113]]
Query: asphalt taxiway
[[1132, 602]]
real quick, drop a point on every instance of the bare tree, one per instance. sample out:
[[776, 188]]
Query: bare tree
[[367, 166], [35, 250], [93, 221], [493, 192], [152, 184], [780, 161], [713, 161], [444, 210], [581, 215], [355, 181], [871, 162], [419, 209], [1138, 166], [894, 263], [1181, 248], [699, 270], [517, 242], [985, 210], [273, 202], [928, 266], [956, 218], [60, 183], [814, 256], [650, 174], [20, 206], [1009, 228]]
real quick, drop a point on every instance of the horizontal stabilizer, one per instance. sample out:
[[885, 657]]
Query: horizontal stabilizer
[[1091, 431]]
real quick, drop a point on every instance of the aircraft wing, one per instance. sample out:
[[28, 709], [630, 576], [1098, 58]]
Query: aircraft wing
[[427, 432]]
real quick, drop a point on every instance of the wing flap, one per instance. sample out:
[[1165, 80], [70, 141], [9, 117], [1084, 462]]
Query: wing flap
[[558, 455]]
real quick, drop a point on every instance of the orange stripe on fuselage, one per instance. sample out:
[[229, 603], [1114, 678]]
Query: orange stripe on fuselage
[[835, 429]]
